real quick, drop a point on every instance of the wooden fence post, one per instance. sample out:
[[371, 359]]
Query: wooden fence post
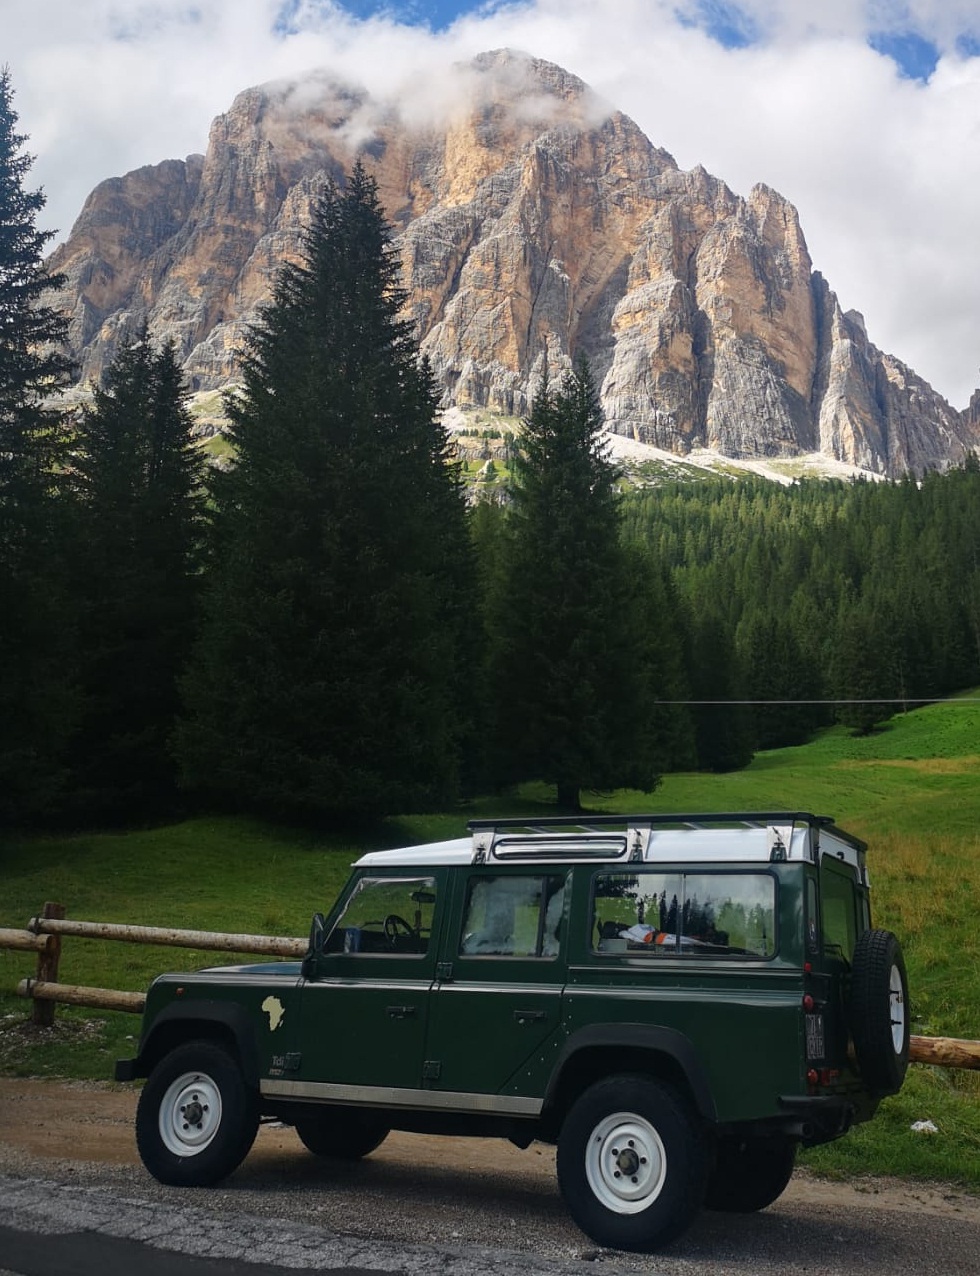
[[47, 968]]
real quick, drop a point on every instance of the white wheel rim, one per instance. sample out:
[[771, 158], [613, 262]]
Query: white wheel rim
[[896, 998], [190, 1114], [625, 1163]]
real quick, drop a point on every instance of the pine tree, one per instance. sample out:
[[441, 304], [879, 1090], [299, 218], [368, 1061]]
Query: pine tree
[[655, 616], [722, 724], [327, 676], [36, 701], [777, 680], [862, 656], [139, 474], [569, 683]]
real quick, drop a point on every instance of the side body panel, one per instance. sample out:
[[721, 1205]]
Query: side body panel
[[743, 1017]]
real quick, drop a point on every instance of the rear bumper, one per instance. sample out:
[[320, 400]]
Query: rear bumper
[[817, 1118]]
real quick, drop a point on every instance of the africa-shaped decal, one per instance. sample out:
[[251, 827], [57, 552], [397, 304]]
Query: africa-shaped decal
[[273, 1007]]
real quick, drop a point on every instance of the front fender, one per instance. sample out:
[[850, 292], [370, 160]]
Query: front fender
[[180, 1021]]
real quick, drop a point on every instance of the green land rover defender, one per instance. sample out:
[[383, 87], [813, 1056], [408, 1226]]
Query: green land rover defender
[[676, 1002]]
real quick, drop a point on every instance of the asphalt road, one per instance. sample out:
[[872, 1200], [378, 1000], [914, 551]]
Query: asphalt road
[[74, 1201], [394, 1220], [89, 1254]]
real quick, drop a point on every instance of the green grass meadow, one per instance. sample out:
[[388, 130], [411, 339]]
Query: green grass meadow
[[912, 790]]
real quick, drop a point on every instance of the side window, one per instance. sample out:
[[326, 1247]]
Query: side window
[[386, 916], [729, 913], [635, 910], [685, 914], [513, 916], [838, 907]]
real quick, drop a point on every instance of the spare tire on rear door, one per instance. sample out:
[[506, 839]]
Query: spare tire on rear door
[[879, 1011]]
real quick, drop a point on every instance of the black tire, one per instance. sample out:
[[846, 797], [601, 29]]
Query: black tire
[[749, 1174], [631, 1163], [340, 1134], [879, 1016], [196, 1118]]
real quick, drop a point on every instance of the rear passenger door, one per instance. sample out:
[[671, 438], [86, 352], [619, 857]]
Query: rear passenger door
[[495, 1010]]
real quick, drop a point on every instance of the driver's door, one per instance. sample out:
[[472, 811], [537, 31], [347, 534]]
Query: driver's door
[[364, 1013]]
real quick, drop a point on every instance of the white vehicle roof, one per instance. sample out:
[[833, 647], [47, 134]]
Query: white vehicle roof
[[763, 837]]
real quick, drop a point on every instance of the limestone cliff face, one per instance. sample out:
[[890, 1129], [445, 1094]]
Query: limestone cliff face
[[972, 413], [535, 223]]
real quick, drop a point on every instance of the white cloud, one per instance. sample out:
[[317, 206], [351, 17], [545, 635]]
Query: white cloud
[[884, 170]]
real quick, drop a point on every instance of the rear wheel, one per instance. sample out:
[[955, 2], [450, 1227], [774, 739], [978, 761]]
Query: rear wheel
[[879, 1011], [196, 1118], [631, 1163], [749, 1174], [340, 1134]]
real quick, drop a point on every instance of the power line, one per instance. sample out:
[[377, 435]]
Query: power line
[[904, 700]]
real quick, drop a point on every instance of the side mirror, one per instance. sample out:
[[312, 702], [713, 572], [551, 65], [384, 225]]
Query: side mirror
[[317, 933]]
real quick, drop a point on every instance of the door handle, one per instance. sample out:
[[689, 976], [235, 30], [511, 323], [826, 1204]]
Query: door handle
[[401, 1012], [529, 1016]]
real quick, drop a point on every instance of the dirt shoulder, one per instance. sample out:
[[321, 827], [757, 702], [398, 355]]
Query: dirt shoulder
[[90, 1123]]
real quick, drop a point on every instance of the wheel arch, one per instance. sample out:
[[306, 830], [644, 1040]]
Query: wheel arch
[[223, 1023], [603, 1049]]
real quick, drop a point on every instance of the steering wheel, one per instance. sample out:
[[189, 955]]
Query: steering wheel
[[395, 925]]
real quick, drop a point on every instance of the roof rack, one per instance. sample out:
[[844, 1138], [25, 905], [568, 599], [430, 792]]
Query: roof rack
[[649, 836], [706, 838], [747, 819]]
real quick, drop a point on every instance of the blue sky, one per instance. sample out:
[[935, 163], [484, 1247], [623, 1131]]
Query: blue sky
[[437, 14], [907, 43], [864, 113]]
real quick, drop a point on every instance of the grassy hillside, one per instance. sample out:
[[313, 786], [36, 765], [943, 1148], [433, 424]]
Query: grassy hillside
[[912, 790]]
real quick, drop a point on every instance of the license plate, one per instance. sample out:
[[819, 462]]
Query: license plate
[[814, 1037]]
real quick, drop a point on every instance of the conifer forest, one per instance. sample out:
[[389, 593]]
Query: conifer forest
[[328, 628]]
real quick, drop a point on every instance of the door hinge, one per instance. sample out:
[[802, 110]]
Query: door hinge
[[431, 1070], [444, 970]]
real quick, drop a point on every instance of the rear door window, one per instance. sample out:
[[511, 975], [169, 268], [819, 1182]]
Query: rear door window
[[838, 907], [685, 914], [513, 916]]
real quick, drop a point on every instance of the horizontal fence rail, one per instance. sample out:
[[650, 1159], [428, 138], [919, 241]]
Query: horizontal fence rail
[[44, 933], [78, 995], [24, 939], [945, 1052], [209, 940]]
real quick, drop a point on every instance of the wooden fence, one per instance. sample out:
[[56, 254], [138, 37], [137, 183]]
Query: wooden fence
[[44, 934]]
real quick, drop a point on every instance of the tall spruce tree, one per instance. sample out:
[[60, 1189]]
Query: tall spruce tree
[[722, 725], [36, 700], [571, 695], [326, 677], [139, 474]]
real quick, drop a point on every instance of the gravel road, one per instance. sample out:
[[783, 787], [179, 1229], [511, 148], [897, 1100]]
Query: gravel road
[[421, 1205]]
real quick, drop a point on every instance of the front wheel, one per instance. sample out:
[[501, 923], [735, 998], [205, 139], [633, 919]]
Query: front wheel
[[631, 1163], [196, 1119]]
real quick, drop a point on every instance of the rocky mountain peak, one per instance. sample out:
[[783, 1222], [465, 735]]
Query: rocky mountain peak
[[534, 222]]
